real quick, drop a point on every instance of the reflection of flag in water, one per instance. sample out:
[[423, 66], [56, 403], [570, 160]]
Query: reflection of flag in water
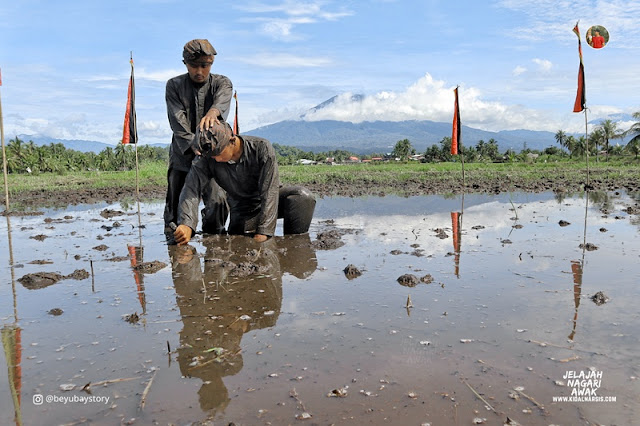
[[236, 126], [581, 97], [130, 131], [456, 134], [12, 344], [135, 253], [576, 269], [457, 239]]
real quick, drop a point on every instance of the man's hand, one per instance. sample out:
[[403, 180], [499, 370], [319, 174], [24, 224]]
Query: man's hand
[[182, 234], [209, 119], [259, 238]]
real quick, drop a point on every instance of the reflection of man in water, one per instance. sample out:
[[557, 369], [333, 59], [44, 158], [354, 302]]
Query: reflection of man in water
[[240, 290]]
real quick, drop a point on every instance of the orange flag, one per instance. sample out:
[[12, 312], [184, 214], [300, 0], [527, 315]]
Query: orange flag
[[456, 136], [130, 131], [581, 97]]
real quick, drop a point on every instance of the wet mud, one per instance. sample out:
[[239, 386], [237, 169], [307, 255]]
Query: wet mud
[[455, 316], [40, 280]]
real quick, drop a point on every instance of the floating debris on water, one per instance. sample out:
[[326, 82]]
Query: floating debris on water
[[408, 280], [150, 267], [589, 247], [132, 318], [338, 392], [600, 298], [351, 272]]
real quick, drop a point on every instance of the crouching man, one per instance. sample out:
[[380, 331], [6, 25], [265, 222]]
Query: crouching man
[[247, 169]]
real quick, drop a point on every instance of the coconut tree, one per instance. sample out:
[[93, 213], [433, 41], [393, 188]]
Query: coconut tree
[[561, 138], [403, 149], [610, 131], [596, 139], [633, 146]]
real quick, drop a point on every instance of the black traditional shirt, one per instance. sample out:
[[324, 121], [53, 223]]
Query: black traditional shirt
[[187, 103], [252, 185]]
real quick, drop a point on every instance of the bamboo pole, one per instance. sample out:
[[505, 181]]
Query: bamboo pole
[[4, 159]]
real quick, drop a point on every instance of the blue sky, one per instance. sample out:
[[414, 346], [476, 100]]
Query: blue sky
[[65, 64]]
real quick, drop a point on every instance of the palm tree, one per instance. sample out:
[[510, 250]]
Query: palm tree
[[596, 138], [579, 146], [571, 144], [610, 131], [561, 138], [403, 149], [633, 145]]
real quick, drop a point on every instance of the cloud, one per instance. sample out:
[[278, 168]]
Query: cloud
[[431, 99], [160, 75], [284, 60], [551, 19], [154, 130], [518, 70], [544, 64], [290, 14]]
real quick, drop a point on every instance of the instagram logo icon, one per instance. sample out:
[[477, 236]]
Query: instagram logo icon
[[37, 399]]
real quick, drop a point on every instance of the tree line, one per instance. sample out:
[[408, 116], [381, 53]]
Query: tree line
[[27, 157], [599, 140]]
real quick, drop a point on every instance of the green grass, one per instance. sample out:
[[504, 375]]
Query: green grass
[[380, 175], [150, 174]]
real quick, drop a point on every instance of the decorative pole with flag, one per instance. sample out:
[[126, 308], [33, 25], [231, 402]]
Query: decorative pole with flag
[[130, 128], [236, 126], [4, 156], [580, 103], [456, 134]]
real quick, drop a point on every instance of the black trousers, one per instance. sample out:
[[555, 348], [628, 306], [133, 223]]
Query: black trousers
[[216, 209], [296, 205]]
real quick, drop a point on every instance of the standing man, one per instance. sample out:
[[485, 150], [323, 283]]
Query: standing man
[[247, 169], [197, 99]]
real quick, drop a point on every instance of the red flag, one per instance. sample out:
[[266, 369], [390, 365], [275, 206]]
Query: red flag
[[236, 129], [130, 131], [581, 98], [456, 136]]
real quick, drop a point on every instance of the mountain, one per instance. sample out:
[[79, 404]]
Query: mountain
[[381, 136], [353, 98]]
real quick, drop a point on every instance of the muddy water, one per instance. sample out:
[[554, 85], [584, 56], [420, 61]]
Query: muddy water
[[231, 331]]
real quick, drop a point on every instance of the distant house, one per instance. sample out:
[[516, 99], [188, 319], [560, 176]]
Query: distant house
[[352, 159], [304, 161], [416, 157], [376, 159]]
